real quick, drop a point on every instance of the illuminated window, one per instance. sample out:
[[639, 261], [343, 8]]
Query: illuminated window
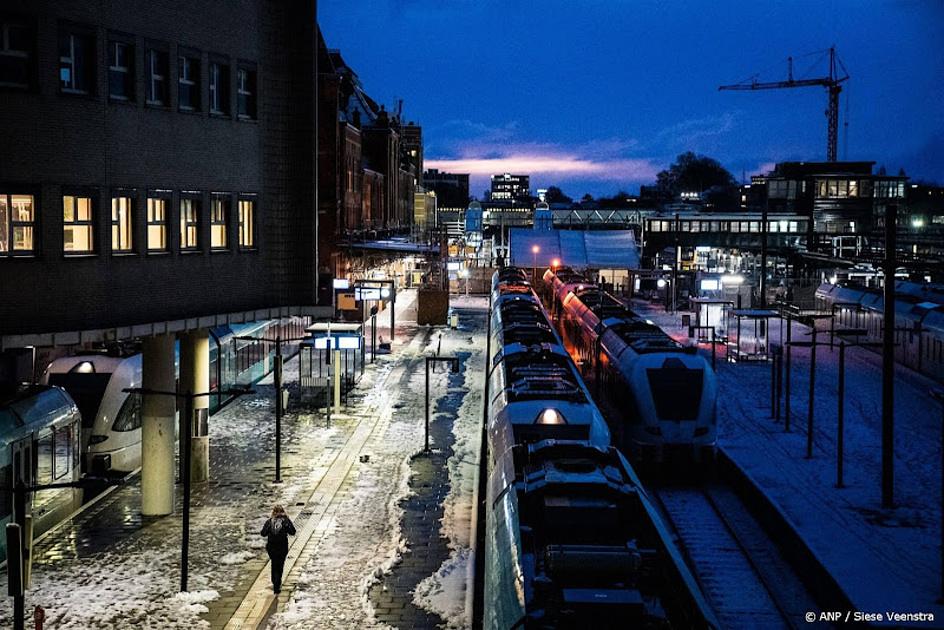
[[188, 82], [77, 226], [793, 226], [122, 225], [219, 208], [156, 64], [156, 224], [120, 71], [247, 237], [246, 93], [76, 62], [219, 88], [189, 224], [16, 44], [17, 216]]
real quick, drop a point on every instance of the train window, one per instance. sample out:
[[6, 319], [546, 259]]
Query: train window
[[129, 416], [63, 451], [676, 392], [44, 457]]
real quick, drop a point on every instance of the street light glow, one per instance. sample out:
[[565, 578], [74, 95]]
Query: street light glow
[[555, 263], [535, 249]]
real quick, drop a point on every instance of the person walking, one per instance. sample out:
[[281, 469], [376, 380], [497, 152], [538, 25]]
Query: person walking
[[277, 529]]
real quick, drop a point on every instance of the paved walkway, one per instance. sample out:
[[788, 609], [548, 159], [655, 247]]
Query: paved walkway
[[109, 567]]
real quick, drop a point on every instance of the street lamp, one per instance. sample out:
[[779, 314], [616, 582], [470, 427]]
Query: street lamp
[[534, 262]]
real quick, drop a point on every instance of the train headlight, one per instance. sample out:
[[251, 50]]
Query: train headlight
[[550, 416]]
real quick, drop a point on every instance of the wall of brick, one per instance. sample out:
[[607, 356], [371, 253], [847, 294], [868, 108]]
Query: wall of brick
[[59, 144]]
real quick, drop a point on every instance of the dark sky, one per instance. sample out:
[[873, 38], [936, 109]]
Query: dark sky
[[597, 95]]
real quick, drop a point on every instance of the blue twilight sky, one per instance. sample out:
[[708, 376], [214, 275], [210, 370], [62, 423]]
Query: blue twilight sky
[[597, 95]]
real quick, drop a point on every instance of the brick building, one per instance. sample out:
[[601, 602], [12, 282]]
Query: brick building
[[159, 164]]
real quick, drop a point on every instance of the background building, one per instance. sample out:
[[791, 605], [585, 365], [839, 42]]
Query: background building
[[452, 189], [508, 187]]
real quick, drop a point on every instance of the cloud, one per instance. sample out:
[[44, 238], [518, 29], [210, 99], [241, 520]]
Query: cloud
[[569, 166], [689, 132]]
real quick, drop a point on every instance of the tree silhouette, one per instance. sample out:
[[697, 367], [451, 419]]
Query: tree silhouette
[[693, 173]]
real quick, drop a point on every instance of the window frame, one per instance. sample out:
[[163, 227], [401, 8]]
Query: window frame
[[153, 51], [253, 200], [249, 70], [224, 220], [8, 193], [195, 199], [90, 68], [165, 198], [194, 63], [89, 223], [131, 196], [28, 55], [129, 71], [221, 87]]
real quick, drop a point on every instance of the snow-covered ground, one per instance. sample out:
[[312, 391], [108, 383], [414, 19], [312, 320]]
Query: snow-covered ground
[[365, 540], [885, 560]]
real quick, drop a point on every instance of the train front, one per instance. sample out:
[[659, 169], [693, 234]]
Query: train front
[[675, 395]]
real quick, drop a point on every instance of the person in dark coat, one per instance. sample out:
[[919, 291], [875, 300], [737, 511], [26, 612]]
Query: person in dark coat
[[277, 529]]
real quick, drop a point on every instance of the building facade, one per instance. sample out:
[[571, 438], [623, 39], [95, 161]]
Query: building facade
[[164, 168], [452, 189], [508, 187]]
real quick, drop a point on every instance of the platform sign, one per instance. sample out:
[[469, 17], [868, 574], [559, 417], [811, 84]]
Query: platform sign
[[367, 293], [341, 284], [338, 342]]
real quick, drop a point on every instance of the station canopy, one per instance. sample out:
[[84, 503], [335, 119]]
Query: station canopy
[[604, 249]]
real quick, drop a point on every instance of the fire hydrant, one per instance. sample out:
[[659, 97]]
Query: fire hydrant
[[39, 616]]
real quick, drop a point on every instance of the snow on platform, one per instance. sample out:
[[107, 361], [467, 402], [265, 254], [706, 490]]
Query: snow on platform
[[884, 560]]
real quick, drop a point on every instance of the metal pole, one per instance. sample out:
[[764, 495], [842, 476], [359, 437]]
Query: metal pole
[[278, 409], [393, 313], [763, 258], [186, 421], [19, 515], [778, 357], [426, 441], [773, 387], [812, 402], [840, 415], [373, 337], [888, 361], [713, 366], [786, 398]]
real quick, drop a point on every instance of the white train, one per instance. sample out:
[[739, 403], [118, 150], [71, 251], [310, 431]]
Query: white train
[[663, 394], [919, 320], [111, 418], [572, 539]]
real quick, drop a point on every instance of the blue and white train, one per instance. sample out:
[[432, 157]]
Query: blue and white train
[[663, 395], [572, 539]]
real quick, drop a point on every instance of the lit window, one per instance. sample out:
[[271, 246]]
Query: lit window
[[156, 62], [122, 224], [219, 88], [15, 52], [120, 74], [76, 68], [189, 83], [247, 237], [189, 224], [77, 226], [17, 215], [219, 207], [246, 93], [156, 225]]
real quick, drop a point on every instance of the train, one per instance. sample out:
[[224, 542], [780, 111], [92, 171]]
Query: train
[[41, 430], [571, 537], [111, 417], [662, 396], [919, 319]]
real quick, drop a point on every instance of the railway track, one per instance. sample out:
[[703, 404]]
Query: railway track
[[740, 570]]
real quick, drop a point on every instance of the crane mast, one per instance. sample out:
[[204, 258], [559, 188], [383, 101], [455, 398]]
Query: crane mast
[[832, 83]]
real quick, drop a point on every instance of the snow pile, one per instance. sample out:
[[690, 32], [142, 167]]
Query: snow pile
[[239, 557], [443, 592], [193, 601]]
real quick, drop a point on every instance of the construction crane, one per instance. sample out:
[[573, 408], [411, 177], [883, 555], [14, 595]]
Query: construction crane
[[832, 83]]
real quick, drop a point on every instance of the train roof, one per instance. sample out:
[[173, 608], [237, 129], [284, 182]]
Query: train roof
[[540, 372], [32, 405], [642, 336]]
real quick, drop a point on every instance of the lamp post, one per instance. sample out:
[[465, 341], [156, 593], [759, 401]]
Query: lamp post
[[534, 263], [454, 366], [186, 427], [279, 396]]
